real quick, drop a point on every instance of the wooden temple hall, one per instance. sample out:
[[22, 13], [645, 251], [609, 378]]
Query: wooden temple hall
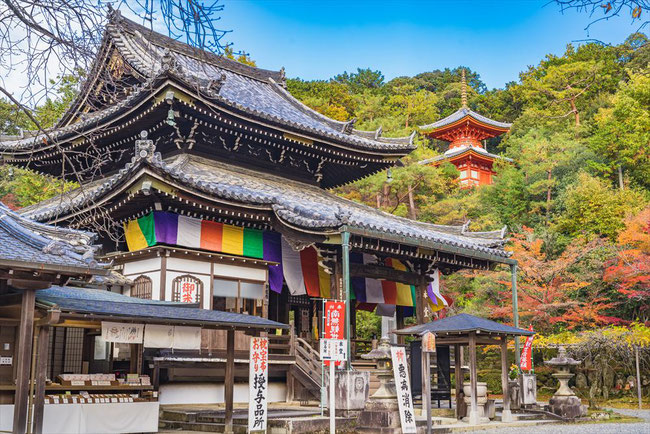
[[207, 184]]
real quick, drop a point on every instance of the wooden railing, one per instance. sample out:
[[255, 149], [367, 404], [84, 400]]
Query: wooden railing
[[308, 359]]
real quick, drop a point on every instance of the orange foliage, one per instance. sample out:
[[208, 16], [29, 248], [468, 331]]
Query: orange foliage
[[630, 271], [548, 289]]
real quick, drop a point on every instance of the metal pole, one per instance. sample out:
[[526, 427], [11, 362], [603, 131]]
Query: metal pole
[[638, 375], [345, 244], [332, 408], [515, 311]]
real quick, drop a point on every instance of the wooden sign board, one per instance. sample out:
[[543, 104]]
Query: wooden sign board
[[429, 342]]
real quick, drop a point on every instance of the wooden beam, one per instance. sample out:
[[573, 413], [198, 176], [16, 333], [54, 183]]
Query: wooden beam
[[41, 373], [506, 415], [23, 362], [458, 374], [473, 413], [375, 271], [229, 380]]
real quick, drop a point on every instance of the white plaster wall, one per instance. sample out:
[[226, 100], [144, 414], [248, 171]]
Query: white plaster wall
[[145, 267], [238, 271], [192, 266], [141, 265], [212, 393]]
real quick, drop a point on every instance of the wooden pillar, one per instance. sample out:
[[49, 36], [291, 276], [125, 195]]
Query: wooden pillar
[[41, 373], [507, 414], [421, 298], [23, 362], [426, 386], [515, 310], [399, 324], [229, 379], [473, 412], [458, 373]]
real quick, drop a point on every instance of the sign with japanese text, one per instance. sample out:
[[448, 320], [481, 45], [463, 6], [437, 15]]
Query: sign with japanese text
[[403, 387], [122, 333], [333, 349], [189, 290], [334, 325], [429, 342], [526, 362], [258, 384]]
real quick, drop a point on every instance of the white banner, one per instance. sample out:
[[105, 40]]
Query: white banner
[[187, 338], [123, 333], [158, 336], [258, 378], [403, 386]]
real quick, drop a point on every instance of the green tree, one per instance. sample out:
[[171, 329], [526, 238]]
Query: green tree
[[592, 207]]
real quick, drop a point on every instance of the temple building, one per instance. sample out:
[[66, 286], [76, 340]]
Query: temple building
[[207, 183], [466, 131]]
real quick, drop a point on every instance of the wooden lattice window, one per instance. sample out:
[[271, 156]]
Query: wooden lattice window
[[187, 289], [142, 287]]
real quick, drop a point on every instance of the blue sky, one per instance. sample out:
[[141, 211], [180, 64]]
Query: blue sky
[[319, 39]]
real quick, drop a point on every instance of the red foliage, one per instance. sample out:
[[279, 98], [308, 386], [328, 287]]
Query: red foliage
[[630, 271]]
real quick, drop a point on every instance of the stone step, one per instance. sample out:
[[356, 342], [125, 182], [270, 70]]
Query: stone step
[[200, 426]]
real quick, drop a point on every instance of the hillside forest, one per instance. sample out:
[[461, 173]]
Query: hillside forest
[[575, 199]]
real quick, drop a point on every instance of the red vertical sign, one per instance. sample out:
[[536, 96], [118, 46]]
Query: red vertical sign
[[334, 327], [526, 362]]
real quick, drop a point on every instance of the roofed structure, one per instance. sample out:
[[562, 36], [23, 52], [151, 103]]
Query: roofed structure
[[464, 323], [60, 253], [198, 102], [108, 305]]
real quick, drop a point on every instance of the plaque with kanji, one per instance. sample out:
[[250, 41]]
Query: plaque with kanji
[[403, 387], [258, 384]]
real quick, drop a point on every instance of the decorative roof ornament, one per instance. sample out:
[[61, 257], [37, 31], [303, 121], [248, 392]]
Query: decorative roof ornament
[[463, 88], [144, 148], [283, 78], [349, 126], [214, 86], [114, 15], [168, 61]]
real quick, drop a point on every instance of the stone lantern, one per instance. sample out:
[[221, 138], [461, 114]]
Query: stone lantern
[[381, 412], [564, 402]]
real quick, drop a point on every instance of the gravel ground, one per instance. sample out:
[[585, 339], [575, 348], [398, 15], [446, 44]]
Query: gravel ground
[[604, 428]]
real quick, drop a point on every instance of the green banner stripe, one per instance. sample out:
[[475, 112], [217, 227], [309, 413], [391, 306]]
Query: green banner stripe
[[253, 246], [147, 227]]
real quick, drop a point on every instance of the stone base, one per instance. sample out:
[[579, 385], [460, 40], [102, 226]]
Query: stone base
[[352, 389], [380, 416], [568, 407]]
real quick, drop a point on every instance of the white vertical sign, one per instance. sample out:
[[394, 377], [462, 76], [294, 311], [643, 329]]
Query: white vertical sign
[[403, 386], [258, 376]]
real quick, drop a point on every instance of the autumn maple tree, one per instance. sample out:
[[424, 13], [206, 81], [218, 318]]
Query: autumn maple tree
[[630, 270], [550, 289]]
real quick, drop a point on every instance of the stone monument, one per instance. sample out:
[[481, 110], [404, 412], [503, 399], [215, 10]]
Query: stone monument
[[481, 400], [564, 402], [381, 412]]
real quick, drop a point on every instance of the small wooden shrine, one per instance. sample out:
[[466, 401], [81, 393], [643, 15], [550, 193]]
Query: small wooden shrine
[[466, 132], [207, 183]]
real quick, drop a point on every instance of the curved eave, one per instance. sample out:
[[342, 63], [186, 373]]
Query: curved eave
[[437, 131]]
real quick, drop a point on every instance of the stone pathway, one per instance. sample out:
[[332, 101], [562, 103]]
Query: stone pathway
[[596, 428]]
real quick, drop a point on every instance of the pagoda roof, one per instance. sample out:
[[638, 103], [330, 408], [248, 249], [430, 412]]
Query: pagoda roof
[[298, 205], [465, 114], [255, 93], [454, 153], [30, 245]]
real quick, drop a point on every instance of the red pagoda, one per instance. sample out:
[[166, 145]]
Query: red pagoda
[[466, 130]]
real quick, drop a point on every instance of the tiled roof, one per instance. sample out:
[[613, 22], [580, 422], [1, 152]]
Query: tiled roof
[[463, 323], [459, 151], [106, 303], [37, 244], [460, 114], [298, 204]]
